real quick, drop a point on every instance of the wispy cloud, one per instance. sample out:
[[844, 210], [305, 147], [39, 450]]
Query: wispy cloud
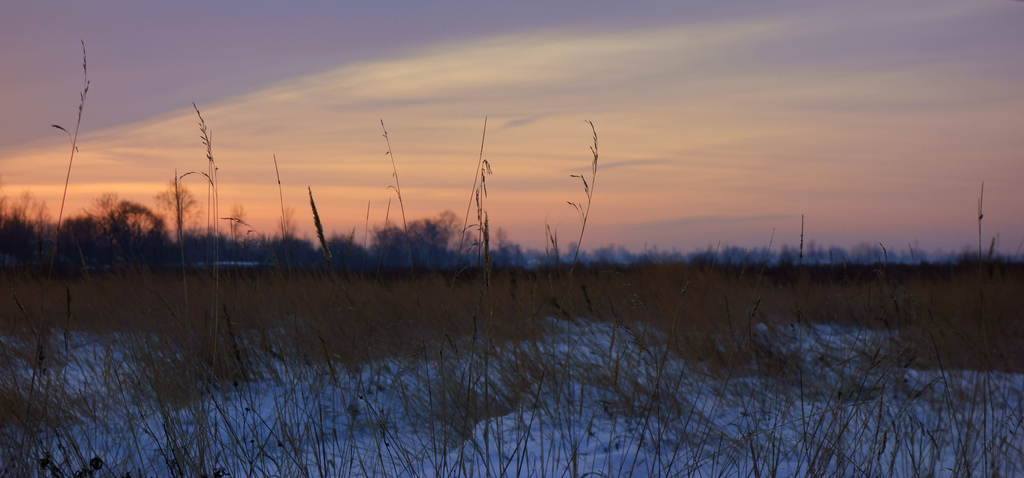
[[712, 127], [715, 221], [633, 163]]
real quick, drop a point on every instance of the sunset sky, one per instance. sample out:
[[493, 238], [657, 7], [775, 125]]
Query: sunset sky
[[717, 121]]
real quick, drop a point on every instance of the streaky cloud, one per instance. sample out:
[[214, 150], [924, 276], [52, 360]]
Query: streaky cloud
[[715, 220]]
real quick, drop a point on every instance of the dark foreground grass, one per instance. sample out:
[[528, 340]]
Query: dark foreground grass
[[162, 346]]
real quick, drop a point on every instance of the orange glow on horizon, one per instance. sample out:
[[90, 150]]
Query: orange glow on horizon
[[703, 138]]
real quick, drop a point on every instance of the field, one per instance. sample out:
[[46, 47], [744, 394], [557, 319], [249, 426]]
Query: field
[[122, 354], [654, 370]]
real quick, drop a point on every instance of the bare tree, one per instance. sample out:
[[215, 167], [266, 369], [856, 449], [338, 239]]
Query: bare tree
[[178, 203], [237, 212]]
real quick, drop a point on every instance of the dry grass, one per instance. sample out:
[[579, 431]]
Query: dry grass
[[728, 322], [935, 310]]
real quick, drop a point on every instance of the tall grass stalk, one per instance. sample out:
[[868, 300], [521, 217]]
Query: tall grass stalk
[[482, 300], [562, 373], [179, 228], [474, 195], [320, 233], [984, 333], [212, 224], [212, 206], [366, 232], [71, 160], [583, 210], [285, 227], [398, 191], [44, 389]]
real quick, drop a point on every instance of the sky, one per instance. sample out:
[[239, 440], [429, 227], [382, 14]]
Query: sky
[[717, 122]]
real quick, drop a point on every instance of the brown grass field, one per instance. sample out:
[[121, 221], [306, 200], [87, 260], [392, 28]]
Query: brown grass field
[[186, 334], [968, 318]]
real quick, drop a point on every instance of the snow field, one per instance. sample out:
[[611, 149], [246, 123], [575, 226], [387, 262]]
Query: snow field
[[586, 399]]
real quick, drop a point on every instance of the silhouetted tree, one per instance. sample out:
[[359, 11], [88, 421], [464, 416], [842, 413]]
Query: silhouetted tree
[[81, 242], [430, 241], [132, 231], [22, 225]]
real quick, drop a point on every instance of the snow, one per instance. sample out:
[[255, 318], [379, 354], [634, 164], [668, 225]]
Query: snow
[[587, 399]]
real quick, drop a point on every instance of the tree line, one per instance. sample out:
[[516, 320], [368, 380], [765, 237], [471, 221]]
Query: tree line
[[118, 232]]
